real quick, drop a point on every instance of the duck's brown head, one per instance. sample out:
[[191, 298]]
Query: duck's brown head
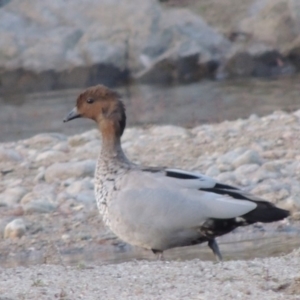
[[102, 105]]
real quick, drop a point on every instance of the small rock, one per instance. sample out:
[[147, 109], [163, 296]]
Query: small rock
[[39, 207], [227, 177], [62, 171], [230, 156], [45, 139], [86, 197], [41, 191], [89, 150], [225, 167], [15, 229], [51, 155], [169, 131], [62, 146], [212, 171], [9, 154], [39, 177], [249, 157], [13, 195], [78, 186]]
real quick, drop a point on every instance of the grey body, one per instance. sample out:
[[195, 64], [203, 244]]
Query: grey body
[[153, 211]]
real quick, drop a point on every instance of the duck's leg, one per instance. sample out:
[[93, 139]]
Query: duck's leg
[[158, 253], [215, 249]]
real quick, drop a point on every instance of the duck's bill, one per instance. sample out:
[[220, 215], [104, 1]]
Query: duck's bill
[[73, 114]]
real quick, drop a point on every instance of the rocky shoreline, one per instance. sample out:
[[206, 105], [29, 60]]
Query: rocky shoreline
[[48, 212], [46, 187]]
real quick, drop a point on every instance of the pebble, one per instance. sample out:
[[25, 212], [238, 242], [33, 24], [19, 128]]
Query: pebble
[[77, 186], [62, 171], [9, 154], [168, 130], [248, 157], [212, 171], [40, 206], [86, 197], [230, 156], [15, 229], [51, 156], [12, 195], [45, 139]]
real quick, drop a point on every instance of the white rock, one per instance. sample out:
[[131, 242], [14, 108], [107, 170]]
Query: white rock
[[40, 206], [248, 157], [78, 186], [86, 197], [168, 131], [62, 146], [45, 139], [79, 140], [246, 169], [39, 177], [13, 195], [230, 156], [225, 167], [227, 177], [9, 155], [51, 155], [62, 171], [15, 229], [90, 149], [40, 192], [212, 171]]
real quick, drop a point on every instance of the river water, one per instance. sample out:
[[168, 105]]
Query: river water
[[22, 116]]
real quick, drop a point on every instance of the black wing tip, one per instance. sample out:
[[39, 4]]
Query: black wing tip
[[179, 175], [267, 214]]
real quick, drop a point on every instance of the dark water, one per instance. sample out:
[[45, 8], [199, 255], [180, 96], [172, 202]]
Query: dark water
[[22, 116]]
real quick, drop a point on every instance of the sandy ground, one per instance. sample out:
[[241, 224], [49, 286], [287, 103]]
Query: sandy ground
[[270, 278]]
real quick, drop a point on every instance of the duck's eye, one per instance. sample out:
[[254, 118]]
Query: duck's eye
[[90, 100]]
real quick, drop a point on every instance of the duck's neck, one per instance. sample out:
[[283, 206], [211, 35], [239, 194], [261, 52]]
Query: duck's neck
[[111, 142]]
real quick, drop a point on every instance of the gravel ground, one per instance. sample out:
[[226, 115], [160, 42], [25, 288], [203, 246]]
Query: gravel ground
[[270, 278]]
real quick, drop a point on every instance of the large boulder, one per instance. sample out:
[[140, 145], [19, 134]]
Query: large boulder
[[60, 44], [266, 43]]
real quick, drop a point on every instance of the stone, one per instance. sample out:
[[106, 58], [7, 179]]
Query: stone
[[12, 195], [90, 149], [51, 156], [40, 206], [248, 157], [168, 131], [62, 146], [62, 171], [42, 140], [274, 23], [212, 171], [15, 229], [40, 192], [9, 155], [77, 186], [227, 177], [86, 197], [230, 156]]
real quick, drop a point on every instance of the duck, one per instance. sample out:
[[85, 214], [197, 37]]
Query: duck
[[158, 208]]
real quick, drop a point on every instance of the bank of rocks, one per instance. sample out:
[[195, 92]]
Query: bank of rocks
[[46, 186]]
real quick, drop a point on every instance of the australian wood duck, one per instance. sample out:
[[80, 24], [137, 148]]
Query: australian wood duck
[[157, 208]]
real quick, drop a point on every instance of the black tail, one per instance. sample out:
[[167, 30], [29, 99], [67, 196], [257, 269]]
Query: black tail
[[265, 212]]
